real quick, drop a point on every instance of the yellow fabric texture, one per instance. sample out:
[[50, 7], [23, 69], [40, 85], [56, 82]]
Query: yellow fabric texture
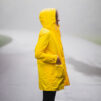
[[52, 76]]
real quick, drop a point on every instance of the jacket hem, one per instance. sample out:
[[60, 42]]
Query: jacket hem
[[52, 89]]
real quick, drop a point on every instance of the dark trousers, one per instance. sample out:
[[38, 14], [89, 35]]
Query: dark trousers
[[49, 95]]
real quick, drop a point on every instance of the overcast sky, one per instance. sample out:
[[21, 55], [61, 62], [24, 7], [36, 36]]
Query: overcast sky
[[76, 16]]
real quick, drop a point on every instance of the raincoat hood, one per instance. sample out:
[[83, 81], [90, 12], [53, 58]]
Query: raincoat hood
[[47, 18]]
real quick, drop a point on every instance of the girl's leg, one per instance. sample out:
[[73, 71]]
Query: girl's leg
[[49, 95]]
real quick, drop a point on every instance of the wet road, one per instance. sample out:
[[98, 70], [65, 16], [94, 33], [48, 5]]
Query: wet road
[[19, 75]]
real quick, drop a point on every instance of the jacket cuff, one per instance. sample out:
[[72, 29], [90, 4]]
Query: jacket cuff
[[55, 58]]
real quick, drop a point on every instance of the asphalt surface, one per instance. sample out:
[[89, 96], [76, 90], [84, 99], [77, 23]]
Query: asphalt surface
[[19, 74]]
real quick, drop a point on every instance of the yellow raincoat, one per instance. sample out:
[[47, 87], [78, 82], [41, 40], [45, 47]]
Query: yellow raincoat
[[52, 76]]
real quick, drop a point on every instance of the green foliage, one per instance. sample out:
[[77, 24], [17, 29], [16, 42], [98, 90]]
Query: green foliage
[[4, 40]]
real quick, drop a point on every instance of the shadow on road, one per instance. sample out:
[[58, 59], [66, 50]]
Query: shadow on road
[[84, 68]]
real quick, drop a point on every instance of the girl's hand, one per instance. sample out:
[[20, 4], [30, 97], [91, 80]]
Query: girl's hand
[[58, 61]]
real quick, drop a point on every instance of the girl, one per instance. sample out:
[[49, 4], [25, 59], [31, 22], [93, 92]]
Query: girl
[[50, 56]]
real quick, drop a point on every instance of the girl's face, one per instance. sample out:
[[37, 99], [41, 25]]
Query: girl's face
[[57, 18]]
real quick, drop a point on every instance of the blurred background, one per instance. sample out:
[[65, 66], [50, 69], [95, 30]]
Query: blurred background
[[80, 27]]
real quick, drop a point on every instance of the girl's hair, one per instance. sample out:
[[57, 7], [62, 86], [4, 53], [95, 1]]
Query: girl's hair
[[56, 17]]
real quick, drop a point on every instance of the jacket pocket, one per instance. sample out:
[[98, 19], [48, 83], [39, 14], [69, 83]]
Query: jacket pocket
[[59, 71]]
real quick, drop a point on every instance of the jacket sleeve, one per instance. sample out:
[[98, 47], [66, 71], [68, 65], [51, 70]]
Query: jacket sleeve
[[40, 48]]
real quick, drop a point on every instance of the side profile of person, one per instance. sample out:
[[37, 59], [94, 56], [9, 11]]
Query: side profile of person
[[49, 53]]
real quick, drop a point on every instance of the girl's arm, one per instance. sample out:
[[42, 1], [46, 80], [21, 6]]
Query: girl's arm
[[41, 46]]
